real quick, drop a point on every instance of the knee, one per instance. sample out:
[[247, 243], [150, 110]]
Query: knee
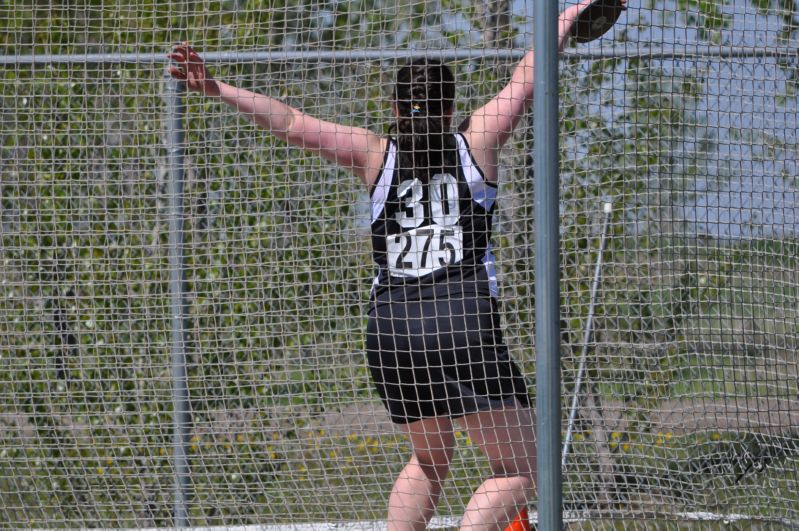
[[523, 474], [521, 482], [434, 463], [527, 484]]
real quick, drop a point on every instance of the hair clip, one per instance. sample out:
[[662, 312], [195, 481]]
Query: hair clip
[[416, 108]]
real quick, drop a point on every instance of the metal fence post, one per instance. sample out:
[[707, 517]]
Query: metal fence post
[[547, 265], [175, 111]]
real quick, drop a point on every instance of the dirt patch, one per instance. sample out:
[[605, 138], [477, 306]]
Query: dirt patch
[[760, 415], [756, 415], [772, 416], [366, 418]]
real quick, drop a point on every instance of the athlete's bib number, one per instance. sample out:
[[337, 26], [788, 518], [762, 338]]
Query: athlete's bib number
[[420, 250]]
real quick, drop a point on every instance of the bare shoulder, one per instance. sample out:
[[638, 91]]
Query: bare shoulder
[[375, 155]]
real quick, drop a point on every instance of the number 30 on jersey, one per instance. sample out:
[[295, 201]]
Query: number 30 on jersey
[[427, 244]]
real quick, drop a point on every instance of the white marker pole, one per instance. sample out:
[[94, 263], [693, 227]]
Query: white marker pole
[[607, 208]]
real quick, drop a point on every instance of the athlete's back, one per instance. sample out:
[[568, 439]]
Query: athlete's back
[[430, 227]]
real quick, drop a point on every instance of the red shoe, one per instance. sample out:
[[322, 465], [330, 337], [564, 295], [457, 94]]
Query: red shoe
[[521, 522]]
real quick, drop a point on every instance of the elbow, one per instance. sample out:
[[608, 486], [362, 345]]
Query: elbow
[[283, 130], [292, 137]]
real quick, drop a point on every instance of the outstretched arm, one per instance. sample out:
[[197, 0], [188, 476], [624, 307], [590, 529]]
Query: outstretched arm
[[356, 149], [490, 126]]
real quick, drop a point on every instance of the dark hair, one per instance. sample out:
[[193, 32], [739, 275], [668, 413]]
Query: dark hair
[[424, 93]]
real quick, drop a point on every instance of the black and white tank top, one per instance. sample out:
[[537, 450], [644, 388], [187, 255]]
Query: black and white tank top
[[431, 234]]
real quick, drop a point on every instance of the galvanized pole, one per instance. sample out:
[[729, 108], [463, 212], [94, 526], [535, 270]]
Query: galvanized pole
[[175, 110], [547, 264]]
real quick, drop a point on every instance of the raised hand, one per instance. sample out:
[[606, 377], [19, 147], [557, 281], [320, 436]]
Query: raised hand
[[589, 19], [191, 68]]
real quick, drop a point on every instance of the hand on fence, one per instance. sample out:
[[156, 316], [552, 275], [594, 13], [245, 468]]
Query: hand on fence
[[191, 68]]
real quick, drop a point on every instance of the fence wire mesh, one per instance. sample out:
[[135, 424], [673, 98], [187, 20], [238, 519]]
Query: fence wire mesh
[[688, 406]]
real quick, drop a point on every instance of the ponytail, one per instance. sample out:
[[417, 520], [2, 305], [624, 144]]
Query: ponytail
[[424, 94]]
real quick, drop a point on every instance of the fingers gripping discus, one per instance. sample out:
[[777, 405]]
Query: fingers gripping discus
[[596, 19]]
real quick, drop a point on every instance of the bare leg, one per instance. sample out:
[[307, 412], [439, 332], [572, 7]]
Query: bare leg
[[507, 437], [416, 491]]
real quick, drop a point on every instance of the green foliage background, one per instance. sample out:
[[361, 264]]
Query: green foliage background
[[277, 273]]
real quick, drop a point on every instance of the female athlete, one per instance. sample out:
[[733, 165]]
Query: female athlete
[[434, 342]]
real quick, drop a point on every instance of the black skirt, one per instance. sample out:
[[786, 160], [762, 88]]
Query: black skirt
[[433, 358]]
